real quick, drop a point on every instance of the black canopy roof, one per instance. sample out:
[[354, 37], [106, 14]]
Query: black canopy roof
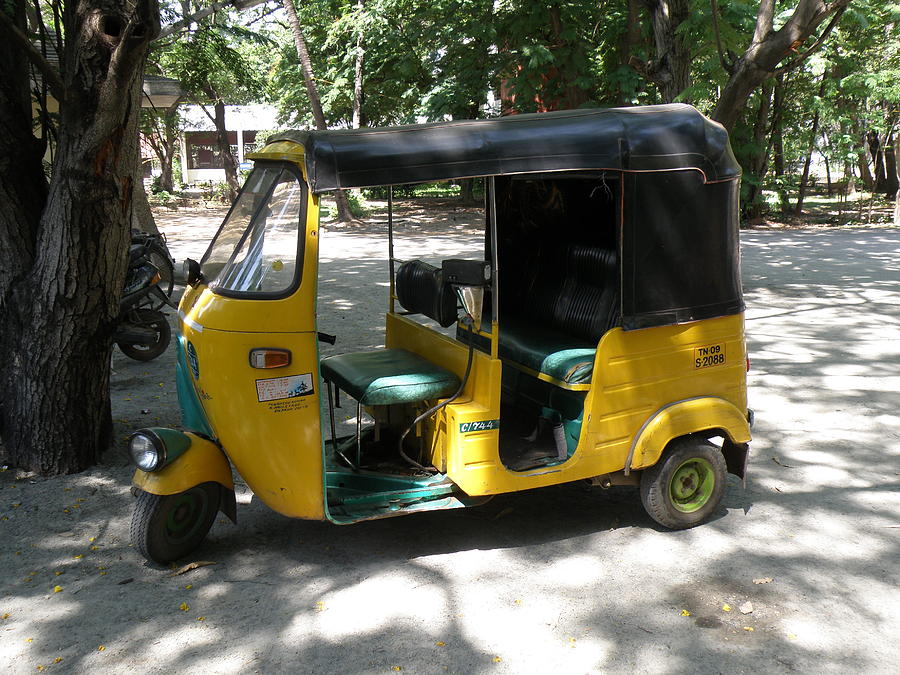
[[649, 138]]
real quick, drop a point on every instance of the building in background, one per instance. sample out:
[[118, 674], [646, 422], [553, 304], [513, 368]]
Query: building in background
[[247, 125]]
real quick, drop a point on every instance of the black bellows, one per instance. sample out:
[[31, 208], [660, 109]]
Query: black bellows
[[421, 289]]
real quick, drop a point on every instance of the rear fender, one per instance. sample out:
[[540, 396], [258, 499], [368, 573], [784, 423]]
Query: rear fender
[[707, 414], [202, 462]]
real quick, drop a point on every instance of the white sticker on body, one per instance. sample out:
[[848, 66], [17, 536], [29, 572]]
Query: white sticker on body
[[278, 388]]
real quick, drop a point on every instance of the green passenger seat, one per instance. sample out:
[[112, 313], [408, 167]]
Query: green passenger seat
[[388, 376]]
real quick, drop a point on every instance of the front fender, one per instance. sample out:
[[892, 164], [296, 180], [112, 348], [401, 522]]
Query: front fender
[[691, 416]]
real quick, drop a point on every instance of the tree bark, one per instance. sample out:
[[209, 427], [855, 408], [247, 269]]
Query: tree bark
[[670, 69], [759, 158], [61, 280], [229, 163], [890, 167], [811, 147], [778, 142], [358, 75], [768, 48], [345, 215]]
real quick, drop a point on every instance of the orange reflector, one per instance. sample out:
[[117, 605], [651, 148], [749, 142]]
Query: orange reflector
[[155, 279], [270, 358], [748, 364]]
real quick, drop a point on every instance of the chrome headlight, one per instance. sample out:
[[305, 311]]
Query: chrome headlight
[[147, 450]]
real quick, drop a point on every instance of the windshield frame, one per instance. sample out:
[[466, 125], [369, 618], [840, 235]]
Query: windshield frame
[[301, 236]]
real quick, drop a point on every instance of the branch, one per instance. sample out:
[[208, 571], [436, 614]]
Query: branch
[[205, 12], [815, 46], [50, 74], [715, 17]]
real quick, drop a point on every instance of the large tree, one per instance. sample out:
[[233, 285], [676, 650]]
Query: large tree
[[63, 245]]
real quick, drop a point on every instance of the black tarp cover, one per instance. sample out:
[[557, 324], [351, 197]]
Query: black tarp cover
[[649, 138]]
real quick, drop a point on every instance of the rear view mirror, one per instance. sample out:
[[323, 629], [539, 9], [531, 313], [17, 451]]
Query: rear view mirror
[[191, 271]]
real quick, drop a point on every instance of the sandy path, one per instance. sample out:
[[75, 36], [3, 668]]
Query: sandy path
[[561, 579]]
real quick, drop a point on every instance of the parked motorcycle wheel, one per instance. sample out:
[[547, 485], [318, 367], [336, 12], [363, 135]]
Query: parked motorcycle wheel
[[157, 322], [159, 256]]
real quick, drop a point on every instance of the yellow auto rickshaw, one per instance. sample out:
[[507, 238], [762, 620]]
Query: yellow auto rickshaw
[[599, 338]]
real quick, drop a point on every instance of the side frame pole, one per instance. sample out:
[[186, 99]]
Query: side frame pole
[[495, 265], [392, 306]]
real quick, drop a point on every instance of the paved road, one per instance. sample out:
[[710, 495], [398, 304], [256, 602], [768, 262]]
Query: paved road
[[557, 580]]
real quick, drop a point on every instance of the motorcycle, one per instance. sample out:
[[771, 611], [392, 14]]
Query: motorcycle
[[143, 331]]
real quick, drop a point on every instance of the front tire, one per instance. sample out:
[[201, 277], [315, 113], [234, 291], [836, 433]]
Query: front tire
[[686, 486], [167, 527]]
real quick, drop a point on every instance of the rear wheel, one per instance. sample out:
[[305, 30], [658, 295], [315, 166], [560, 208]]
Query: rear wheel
[[167, 527], [686, 485]]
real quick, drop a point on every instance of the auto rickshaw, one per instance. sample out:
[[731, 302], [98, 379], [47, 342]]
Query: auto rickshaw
[[599, 338]]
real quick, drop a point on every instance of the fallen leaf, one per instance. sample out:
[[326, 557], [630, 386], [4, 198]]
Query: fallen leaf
[[397, 668], [5, 616], [58, 659], [17, 505], [763, 580], [66, 511], [440, 643], [504, 512], [746, 608], [191, 566], [58, 573], [92, 540], [201, 618], [791, 636], [57, 589], [102, 574], [518, 601], [497, 659], [27, 579], [749, 629], [786, 466], [79, 556], [188, 587], [29, 639], [101, 648], [40, 667], [184, 607], [95, 548], [684, 612], [726, 608]]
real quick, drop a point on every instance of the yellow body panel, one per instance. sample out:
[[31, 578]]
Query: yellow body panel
[[203, 462], [682, 418], [274, 443], [636, 374]]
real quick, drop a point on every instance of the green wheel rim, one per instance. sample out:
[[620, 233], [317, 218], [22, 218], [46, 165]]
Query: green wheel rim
[[186, 516], [692, 484]]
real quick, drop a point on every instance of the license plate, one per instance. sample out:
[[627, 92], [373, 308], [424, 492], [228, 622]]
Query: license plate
[[709, 356]]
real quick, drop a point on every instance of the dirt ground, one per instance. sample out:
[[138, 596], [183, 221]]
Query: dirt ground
[[568, 578]]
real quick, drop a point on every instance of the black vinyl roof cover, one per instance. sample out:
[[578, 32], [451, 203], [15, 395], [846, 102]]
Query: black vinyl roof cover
[[649, 138]]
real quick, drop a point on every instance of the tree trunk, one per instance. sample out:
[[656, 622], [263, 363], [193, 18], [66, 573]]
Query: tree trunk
[[229, 163], [865, 171], [61, 280], [778, 142], [358, 75], [670, 69], [757, 164], [890, 167], [345, 215], [879, 177], [769, 48], [801, 192]]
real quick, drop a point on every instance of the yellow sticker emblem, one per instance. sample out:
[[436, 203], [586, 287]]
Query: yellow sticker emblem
[[708, 356]]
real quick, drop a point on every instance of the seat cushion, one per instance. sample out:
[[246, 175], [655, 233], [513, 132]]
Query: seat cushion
[[564, 358], [547, 351], [388, 376]]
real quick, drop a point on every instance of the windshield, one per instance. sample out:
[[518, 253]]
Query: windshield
[[256, 251]]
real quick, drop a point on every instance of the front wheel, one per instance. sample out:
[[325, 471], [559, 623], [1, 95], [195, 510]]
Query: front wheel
[[686, 485], [167, 527]]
